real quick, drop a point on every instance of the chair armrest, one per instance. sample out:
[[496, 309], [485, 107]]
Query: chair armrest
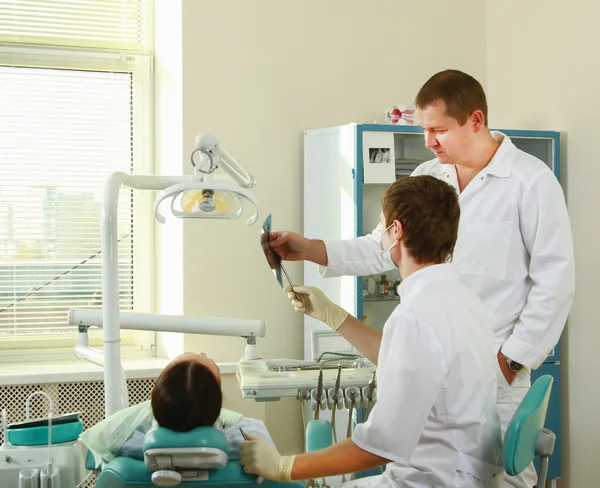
[[544, 445]]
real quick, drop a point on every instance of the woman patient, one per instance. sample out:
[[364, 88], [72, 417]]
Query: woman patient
[[186, 395]]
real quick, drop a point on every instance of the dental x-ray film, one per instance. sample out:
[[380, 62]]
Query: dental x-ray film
[[273, 258]]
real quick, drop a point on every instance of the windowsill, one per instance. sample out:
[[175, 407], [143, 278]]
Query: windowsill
[[74, 371]]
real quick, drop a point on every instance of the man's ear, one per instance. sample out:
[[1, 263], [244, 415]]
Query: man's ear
[[478, 120], [398, 230]]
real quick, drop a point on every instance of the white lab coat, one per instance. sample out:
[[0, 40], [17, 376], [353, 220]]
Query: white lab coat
[[435, 416], [514, 250]]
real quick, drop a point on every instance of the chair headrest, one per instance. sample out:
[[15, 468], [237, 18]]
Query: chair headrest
[[198, 437], [200, 448]]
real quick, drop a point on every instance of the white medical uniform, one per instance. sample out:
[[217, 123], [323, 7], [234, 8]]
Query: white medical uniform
[[514, 250], [435, 416]]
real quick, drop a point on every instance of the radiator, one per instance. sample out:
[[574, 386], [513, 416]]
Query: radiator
[[86, 397]]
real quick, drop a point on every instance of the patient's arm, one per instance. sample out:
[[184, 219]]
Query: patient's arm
[[133, 446], [250, 426]]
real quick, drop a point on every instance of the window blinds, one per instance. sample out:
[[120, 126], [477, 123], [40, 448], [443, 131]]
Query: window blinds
[[62, 132], [107, 24], [68, 118]]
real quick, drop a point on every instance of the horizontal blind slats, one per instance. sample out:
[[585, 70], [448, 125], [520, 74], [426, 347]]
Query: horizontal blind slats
[[51, 188], [125, 24]]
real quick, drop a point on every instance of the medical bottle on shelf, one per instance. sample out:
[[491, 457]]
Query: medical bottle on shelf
[[383, 286], [397, 288], [371, 287]]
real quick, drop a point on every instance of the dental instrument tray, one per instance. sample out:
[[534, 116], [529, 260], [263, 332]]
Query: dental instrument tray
[[65, 428], [271, 380], [65, 418]]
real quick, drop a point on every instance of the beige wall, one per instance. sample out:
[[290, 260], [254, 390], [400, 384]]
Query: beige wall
[[544, 73], [256, 74]]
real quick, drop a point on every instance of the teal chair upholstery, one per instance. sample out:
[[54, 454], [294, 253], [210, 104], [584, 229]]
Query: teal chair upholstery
[[526, 436], [198, 458], [319, 435]]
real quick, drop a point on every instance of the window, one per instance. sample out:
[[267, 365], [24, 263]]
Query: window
[[75, 85]]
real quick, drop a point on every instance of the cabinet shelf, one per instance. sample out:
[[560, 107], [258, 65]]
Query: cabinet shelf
[[381, 298]]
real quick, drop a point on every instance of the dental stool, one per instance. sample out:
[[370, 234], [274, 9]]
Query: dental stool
[[198, 458], [526, 436]]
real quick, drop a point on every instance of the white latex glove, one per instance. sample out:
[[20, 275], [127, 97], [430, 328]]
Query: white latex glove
[[315, 304], [260, 458]]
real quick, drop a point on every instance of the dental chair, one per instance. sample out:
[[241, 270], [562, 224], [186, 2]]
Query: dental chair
[[526, 436], [198, 458]]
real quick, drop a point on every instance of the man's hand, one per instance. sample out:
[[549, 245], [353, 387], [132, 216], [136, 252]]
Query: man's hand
[[315, 304], [259, 458], [508, 374], [289, 245], [294, 247]]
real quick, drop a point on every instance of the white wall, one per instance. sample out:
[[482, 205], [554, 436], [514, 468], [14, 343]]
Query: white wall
[[544, 73], [256, 74]]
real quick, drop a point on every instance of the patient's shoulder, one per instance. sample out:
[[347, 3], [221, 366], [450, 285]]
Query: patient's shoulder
[[227, 418]]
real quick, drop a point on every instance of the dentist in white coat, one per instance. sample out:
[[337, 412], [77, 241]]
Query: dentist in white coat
[[435, 423], [514, 245]]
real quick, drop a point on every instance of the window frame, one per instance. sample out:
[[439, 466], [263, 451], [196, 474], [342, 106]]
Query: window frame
[[135, 344]]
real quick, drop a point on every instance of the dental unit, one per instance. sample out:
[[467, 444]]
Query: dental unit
[[199, 196], [342, 383], [23, 462]]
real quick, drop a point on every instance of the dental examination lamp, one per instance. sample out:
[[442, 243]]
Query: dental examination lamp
[[198, 196], [205, 197]]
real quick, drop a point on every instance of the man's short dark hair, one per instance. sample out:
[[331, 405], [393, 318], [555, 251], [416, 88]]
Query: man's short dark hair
[[429, 212], [461, 93]]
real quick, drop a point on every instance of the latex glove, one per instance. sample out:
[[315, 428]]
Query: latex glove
[[315, 304], [260, 458]]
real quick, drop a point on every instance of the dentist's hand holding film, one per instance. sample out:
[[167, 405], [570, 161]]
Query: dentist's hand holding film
[[315, 304]]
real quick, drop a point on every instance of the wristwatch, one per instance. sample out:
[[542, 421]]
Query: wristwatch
[[512, 365]]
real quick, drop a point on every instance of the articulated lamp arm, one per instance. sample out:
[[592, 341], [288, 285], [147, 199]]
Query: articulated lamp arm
[[219, 158]]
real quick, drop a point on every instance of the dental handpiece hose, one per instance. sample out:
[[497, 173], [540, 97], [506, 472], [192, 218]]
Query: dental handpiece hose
[[335, 400], [336, 389], [319, 393], [372, 384], [350, 419]]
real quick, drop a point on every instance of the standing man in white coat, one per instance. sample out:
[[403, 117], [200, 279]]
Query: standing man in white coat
[[514, 245], [435, 422]]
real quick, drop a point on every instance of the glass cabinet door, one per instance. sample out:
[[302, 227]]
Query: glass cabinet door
[[378, 147]]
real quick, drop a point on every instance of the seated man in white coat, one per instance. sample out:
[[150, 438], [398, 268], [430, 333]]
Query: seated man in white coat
[[435, 423]]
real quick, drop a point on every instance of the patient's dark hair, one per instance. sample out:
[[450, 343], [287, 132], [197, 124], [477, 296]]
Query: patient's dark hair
[[186, 395]]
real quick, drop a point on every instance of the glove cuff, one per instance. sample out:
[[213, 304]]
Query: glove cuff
[[340, 318], [284, 470]]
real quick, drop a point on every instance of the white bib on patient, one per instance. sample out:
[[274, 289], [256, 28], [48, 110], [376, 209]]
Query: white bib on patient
[[108, 436]]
